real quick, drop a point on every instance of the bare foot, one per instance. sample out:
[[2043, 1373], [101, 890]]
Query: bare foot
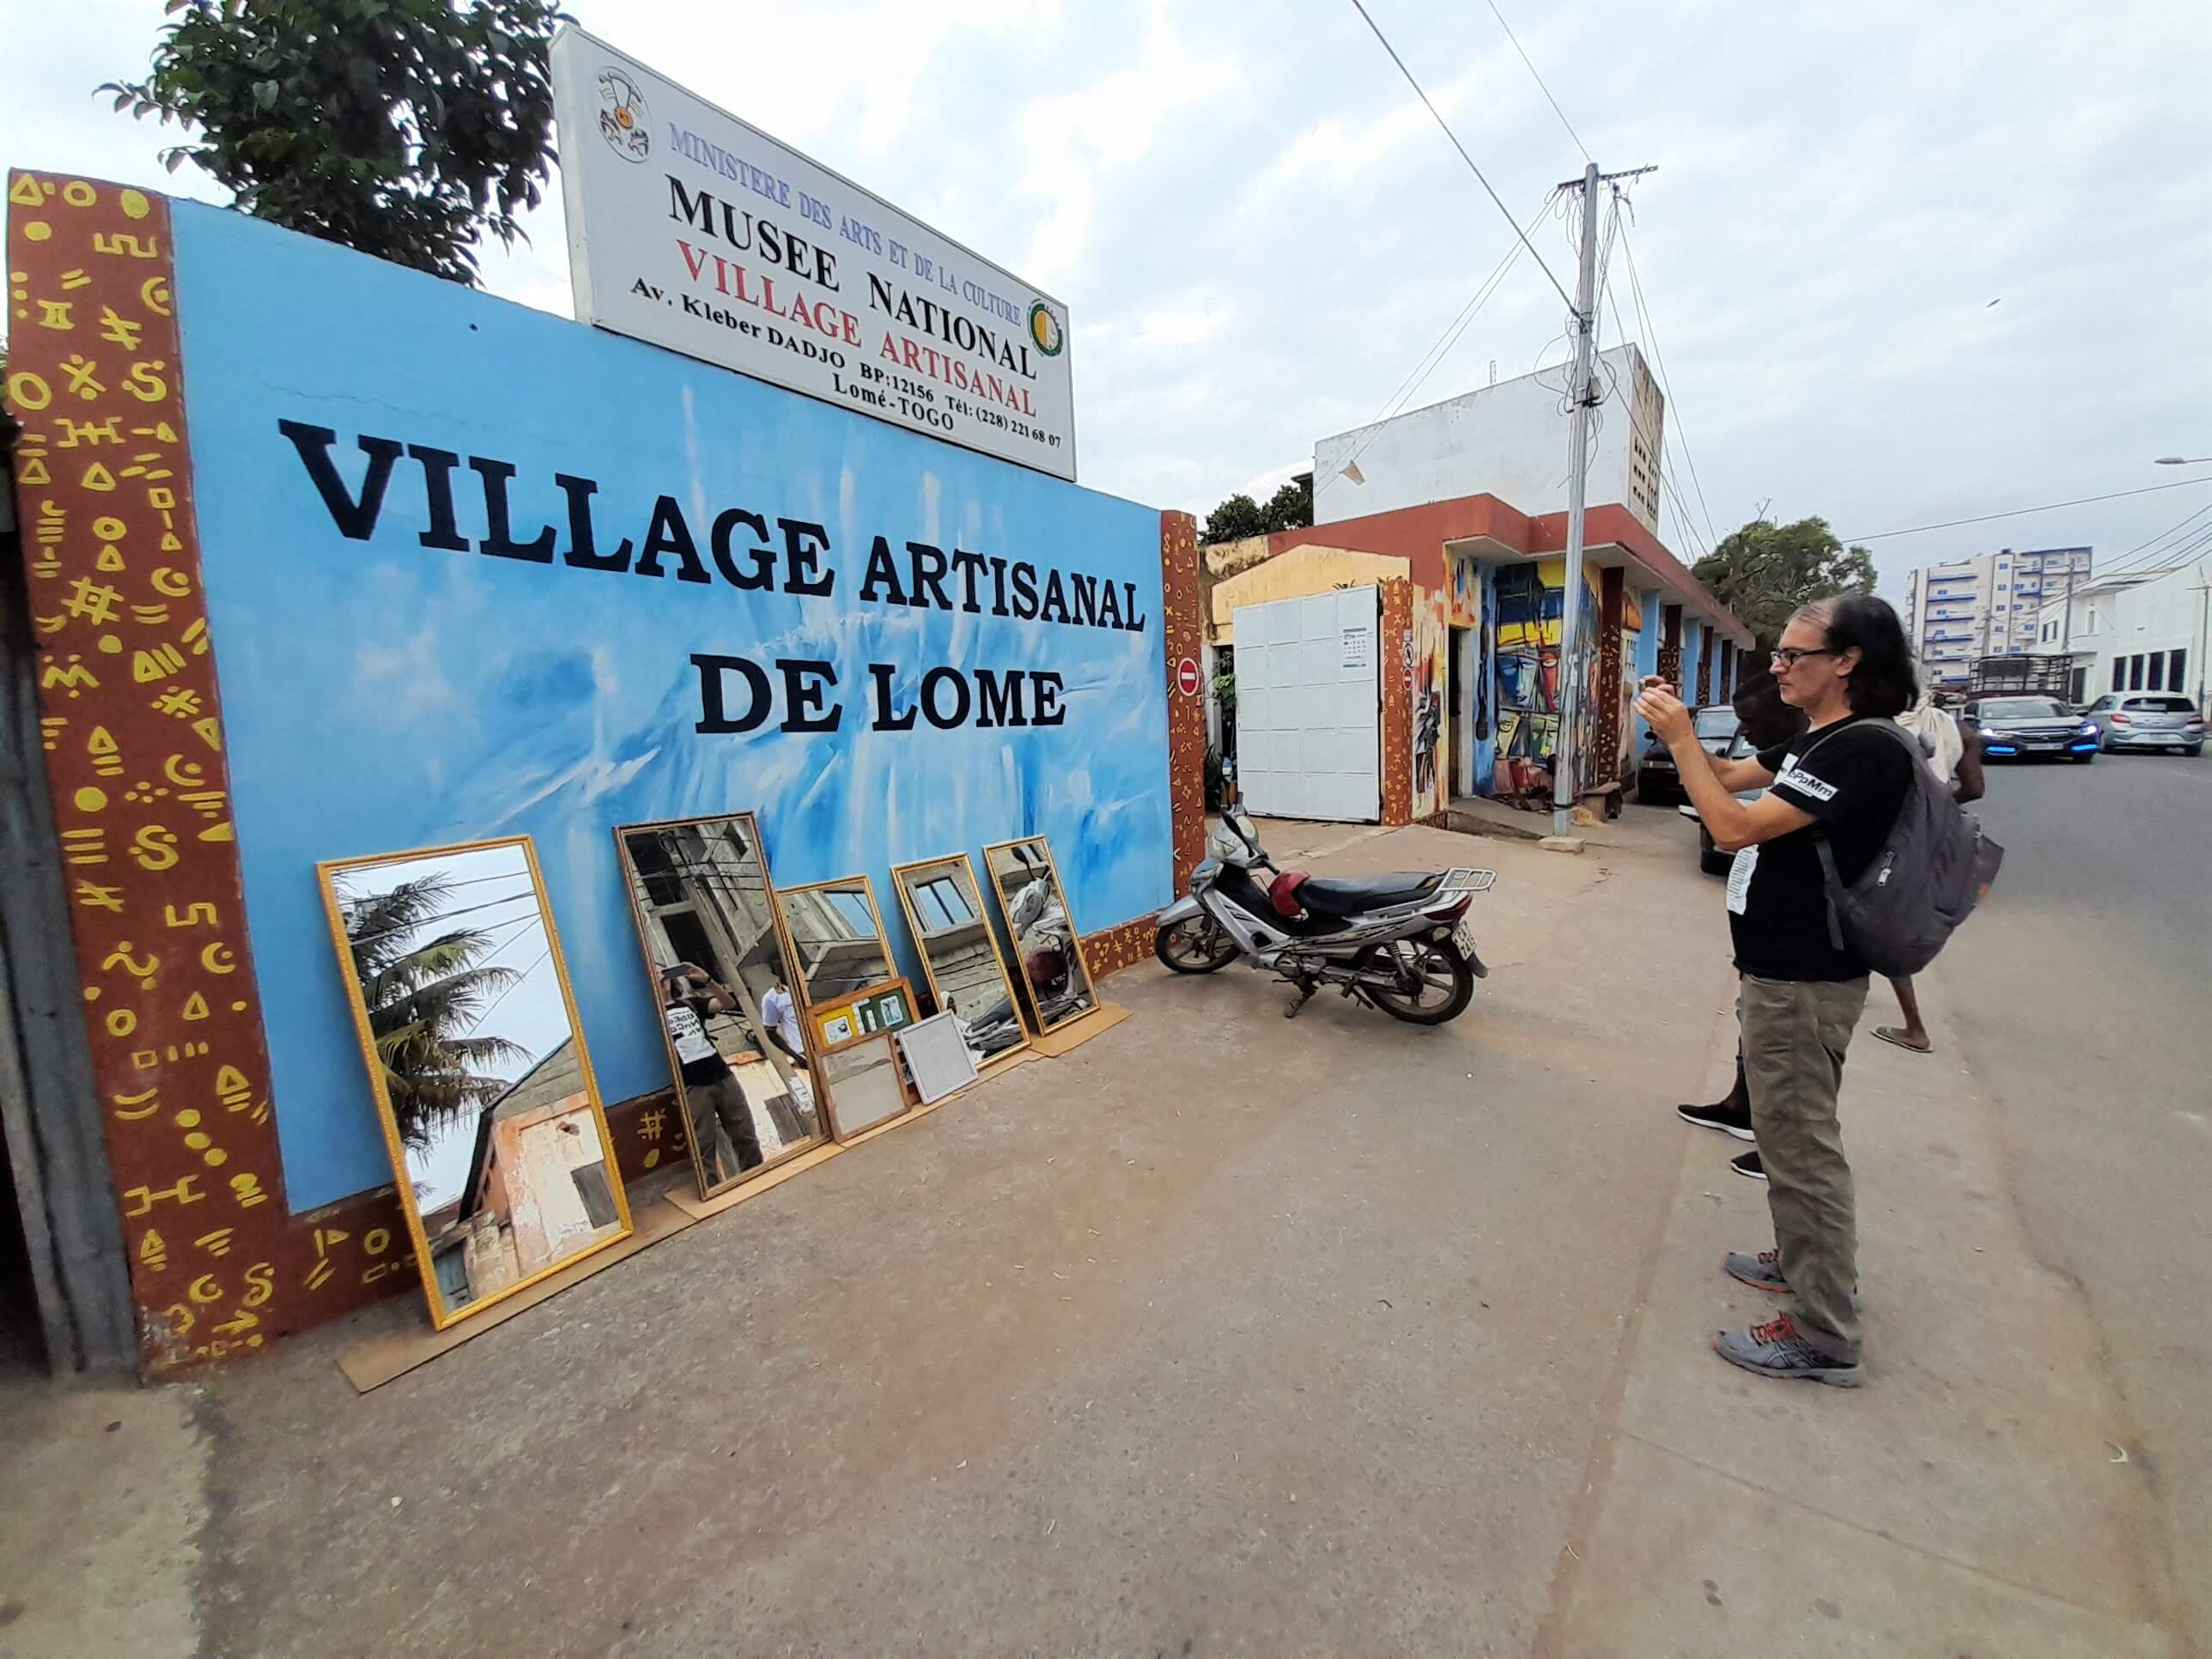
[[1904, 1039]]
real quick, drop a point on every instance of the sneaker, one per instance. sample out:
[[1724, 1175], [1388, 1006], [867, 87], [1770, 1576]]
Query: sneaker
[[1727, 1117], [1779, 1349], [1762, 1272], [1747, 1164]]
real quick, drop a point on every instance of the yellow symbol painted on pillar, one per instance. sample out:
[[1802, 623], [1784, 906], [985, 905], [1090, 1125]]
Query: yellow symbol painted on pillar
[[145, 1197], [260, 1285], [131, 1108], [205, 1288], [155, 847], [201, 914], [217, 959], [134, 204], [173, 583], [90, 799], [106, 759], [145, 972], [216, 1243], [121, 1022], [153, 1251], [247, 1189], [195, 1007]]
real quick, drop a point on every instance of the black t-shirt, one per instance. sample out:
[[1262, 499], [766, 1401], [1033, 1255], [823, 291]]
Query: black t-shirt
[[1852, 779], [695, 1053]]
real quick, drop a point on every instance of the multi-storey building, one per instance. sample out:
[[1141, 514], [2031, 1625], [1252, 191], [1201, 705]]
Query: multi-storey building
[[1986, 606]]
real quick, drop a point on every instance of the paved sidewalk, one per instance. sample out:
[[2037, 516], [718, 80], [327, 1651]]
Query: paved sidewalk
[[1224, 1335]]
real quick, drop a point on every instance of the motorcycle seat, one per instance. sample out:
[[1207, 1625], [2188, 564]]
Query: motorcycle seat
[[1349, 897]]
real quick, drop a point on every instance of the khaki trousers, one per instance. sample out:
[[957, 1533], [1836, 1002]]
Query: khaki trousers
[[1795, 1032]]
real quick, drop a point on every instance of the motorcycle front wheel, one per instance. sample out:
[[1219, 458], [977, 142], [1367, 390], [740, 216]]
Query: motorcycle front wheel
[[1431, 983], [1196, 944]]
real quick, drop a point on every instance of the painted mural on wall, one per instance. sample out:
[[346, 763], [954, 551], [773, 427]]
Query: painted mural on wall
[[475, 571], [1463, 603], [1530, 599], [1428, 665]]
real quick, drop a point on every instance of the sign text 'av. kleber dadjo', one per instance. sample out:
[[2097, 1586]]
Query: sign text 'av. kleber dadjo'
[[692, 230]]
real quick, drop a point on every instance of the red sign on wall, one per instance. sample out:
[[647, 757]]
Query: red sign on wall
[[1186, 677]]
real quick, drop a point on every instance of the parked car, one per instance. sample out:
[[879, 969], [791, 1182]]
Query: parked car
[[1656, 781], [2030, 729], [1714, 860], [2145, 720]]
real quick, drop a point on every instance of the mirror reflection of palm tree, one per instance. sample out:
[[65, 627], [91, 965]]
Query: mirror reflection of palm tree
[[424, 997]]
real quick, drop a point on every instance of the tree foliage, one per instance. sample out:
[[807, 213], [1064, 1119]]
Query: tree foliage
[[1290, 507], [1764, 571], [424, 997], [403, 128]]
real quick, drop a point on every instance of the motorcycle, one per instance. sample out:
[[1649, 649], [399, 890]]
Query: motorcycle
[[1399, 942]]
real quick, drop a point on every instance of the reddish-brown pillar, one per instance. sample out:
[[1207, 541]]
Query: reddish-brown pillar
[[1604, 763], [1670, 645], [1396, 668]]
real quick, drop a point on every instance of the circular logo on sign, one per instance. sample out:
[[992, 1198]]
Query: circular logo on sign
[[624, 120], [1186, 677], [1045, 330]]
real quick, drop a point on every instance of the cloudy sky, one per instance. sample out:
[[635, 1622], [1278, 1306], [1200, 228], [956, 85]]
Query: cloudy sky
[[1259, 232]]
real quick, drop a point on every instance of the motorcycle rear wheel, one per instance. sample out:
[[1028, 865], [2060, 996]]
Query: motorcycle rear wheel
[[1446, 983], [1196, 944]]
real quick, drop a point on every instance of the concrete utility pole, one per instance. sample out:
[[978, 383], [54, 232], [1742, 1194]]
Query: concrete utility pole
[[1586, 399]]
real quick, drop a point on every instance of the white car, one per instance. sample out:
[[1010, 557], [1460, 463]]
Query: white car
[[2144, 719], [1713, 859]]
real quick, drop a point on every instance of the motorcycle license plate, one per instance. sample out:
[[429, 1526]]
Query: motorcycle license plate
[[1463, 939]]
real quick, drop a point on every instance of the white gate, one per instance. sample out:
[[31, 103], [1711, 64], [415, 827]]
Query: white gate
[[1308, 710]]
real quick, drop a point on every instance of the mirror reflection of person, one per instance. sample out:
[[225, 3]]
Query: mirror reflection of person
[[780, 1015], [719, 1115]]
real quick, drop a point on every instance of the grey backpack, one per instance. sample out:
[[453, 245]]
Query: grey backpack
[[1932, 869]]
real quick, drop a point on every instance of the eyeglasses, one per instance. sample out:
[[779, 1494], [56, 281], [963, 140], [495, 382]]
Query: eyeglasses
[[1791, 655]]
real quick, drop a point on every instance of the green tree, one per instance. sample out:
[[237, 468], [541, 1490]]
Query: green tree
[[424, 997], [1234, 519], [1764, 571], [403, 128], [1290, 507]]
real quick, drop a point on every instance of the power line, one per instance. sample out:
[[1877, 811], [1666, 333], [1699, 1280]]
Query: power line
[[2022, 512], [2121, 561], [1434, 356], [1361, 8], [1659, 361], [510, 985], [1541, 87]]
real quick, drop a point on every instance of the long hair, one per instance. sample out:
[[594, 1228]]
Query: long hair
[[1883, 682]]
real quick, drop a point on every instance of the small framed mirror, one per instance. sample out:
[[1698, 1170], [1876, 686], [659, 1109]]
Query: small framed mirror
[[836, 937], [499, 1142], [960, 954], [1048, 949], [722, 985]]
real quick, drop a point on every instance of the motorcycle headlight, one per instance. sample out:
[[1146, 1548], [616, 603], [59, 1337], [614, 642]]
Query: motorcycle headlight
[[1222, 845]]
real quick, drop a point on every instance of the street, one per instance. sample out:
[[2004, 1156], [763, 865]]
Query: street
[[1231, 1336], [2079, 999]]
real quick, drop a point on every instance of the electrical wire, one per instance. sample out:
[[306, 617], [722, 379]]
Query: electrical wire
[[2022, 512], [1434, 356], [1659, 362], [2121, 563], [1541, 87], [510, 985], [1358, 6]]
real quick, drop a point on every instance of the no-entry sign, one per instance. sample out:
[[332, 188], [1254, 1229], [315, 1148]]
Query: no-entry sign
[[1186, 677]]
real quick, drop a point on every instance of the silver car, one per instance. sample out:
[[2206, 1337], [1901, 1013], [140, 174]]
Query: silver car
[[1713, 858], [2146, 719]]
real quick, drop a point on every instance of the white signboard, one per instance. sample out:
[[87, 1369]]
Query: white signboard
[[694, 231]]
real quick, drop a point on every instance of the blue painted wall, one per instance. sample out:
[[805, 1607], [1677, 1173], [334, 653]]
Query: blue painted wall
[[1649, 601], [1693, 643], [380, 695]]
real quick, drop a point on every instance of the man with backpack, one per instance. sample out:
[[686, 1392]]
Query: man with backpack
[[1801, 901]]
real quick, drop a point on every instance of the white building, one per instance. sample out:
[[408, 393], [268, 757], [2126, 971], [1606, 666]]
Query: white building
[[1986, 606], [2135, 633], [1509, 440]]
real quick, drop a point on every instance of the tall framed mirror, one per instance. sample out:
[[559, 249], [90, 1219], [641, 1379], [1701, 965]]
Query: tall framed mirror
[[499, 1141], [1048, 949], [836, 937], [967, 973], [722, 984]]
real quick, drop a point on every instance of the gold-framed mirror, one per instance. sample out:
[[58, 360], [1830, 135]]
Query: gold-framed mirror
[[1048, 949], [836, 938], [722, 986], [960, 954], [500, 1149]]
